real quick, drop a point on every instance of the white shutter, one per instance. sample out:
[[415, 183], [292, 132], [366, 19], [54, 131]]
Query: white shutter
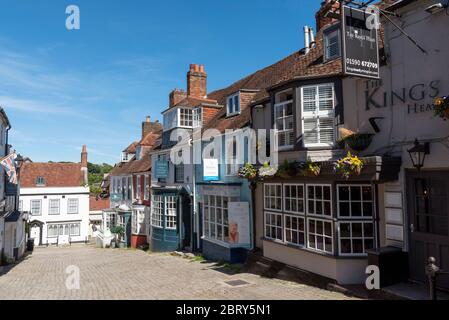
[[326, 130], [310, 131]]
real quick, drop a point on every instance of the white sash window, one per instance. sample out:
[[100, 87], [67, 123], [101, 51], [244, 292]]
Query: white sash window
[[318, 113]]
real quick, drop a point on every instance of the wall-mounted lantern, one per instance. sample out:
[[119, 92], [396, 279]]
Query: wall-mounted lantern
[[418, 154]]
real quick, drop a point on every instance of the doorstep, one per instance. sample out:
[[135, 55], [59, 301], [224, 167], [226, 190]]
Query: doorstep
[[413, 291]]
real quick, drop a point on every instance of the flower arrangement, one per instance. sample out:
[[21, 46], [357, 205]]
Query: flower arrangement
[[348, 165], [310, 168], [441, 107], [248, 171], [266, 171]]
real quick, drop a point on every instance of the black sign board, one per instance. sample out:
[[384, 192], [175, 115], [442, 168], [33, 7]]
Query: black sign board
[[360, 43]]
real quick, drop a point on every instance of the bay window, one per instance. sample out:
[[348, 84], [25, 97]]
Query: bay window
[[157, 211], [186, 117], [356, 207], [318, 104], [283, 114], [303, 215], [197, 118]]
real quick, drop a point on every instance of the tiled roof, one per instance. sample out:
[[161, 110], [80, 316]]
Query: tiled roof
[[54, 174], [295, 66], [132, 147], [98, 204], [193, 102], [151, 139]]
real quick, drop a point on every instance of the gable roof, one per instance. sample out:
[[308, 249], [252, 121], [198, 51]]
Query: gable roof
[[54, 174]]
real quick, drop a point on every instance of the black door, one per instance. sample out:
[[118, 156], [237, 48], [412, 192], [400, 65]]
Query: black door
[[187, 222], [428, 210]]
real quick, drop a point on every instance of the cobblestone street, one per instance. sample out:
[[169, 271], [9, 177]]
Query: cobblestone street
[[131, 274]]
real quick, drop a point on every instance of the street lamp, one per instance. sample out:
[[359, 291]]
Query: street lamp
[[418, 154], [19, 161]]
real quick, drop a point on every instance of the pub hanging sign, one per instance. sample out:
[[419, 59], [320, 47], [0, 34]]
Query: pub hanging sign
[[360, 42]]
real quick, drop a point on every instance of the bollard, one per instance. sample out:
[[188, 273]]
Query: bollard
[[432, 272]]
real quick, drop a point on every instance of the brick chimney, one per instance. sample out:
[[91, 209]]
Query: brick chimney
[[84, 157], [84, 165], [150, 127], [176, 96], [196, 81], [326, 6]]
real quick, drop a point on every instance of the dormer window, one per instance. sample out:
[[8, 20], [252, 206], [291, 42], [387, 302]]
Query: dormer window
[[233, 104], [40, 181], [125, 157], [332, 48]]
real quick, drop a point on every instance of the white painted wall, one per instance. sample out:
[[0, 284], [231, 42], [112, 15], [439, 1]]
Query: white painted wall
[[80, 193]]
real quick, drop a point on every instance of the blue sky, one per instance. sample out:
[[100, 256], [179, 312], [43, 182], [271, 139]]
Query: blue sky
[[62, 89]]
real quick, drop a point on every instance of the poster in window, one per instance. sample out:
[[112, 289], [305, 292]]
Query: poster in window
[[360, 43], [239, 223]]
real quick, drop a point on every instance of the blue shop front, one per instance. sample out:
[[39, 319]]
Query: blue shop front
[[224, 207], [171, 219]]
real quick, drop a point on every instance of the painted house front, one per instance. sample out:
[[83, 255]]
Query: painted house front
[[56, 196], [321, 222], [174, 219], [413, 209]]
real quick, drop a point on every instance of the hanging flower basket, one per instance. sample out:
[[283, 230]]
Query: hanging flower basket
[[359, 141], [287, 170], [248, 171], [354, 140], [441, 107], [349, 165]]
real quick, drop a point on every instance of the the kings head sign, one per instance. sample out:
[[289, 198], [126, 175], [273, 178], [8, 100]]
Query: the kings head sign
[[360, 43]]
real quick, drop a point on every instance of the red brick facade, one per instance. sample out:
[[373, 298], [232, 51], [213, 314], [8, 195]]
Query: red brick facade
[[321, 20]]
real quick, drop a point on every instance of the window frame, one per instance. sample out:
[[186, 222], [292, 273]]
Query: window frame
[[68, 205], [285, 199], [157, 212], [324, 251], [50, 201], [326, 36], [182, 122], [350, 217], [284, 119], [265, 225], [351, 238], [317, 114], [304, 232], [146, 195], [234, 111], [40, 207], [314, 215], [40, 181], [138, 186], [170, 212], [275, 197]]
